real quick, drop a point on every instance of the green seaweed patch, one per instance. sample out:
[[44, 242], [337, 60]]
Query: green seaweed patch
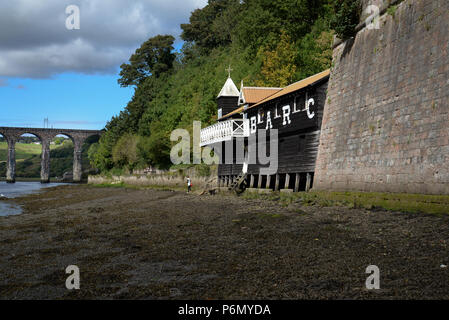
[[395, 202]]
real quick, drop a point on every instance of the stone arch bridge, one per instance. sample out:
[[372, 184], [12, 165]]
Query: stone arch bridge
[[78, 137]]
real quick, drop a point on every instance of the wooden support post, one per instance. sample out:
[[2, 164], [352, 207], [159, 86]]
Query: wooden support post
[[308, 182], [276, 184], [259, 182], [297, 182], [227, 181], [251, 182], [268, 182], [220, 181], [287, 181]]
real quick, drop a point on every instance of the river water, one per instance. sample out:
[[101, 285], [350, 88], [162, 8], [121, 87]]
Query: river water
[[14, 190]]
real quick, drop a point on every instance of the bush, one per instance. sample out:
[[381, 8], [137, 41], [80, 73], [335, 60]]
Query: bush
[[346, 18], [124, 153]]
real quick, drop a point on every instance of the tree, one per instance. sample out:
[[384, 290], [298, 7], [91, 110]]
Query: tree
[[212, 25], [315, 50], [155, 149], [124, 153], [153, 58], [278, 69], [346, 18]]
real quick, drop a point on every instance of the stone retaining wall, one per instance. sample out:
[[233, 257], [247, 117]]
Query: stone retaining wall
[[386, 118]]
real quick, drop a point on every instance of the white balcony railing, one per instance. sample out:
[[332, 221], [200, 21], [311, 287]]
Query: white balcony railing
[[224, 131]]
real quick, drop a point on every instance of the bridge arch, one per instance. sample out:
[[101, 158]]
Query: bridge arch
[[62, 148], [28, 144], [46, 136]]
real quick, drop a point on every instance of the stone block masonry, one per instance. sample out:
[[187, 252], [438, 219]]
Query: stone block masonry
[[386, 119]]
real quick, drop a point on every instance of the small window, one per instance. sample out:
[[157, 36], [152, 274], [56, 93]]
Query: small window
[[220, 113]]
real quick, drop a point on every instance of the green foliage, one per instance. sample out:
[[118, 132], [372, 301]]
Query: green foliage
[[153, 58], [278, 65], [124, 153], [212, 25], [315, 50], [346, 19], [272, 43], [392, 10], [155, 149]]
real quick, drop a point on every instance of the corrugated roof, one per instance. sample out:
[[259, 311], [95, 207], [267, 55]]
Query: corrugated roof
[[256, 94], [295, 86], [229, 89], [280, 92]]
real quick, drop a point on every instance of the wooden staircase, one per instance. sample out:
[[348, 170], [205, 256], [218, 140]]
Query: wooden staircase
[[239, 184]]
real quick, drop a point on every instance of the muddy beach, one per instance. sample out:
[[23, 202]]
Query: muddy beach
[[149, 244]]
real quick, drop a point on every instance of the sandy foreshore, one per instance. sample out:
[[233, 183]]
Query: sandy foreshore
[[148, 244]]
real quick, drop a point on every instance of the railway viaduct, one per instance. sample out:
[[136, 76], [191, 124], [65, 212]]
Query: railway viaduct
[[78, 137]]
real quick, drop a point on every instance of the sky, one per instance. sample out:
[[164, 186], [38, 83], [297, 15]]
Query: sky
[[69, 75]]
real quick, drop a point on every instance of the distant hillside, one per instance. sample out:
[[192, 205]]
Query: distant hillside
[[28, 159], [23, 150]]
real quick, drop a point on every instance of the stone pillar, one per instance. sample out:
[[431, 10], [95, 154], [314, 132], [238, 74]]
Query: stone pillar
[[11, 162], [77, 164], [251, 181], [287, 181], [308, 182], [268, 181], [276, 184], [297, 182], [45, 161], [259, 182]]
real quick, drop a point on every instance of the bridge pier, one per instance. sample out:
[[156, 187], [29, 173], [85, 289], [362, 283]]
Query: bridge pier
[[45, 135], [77, 163], [45, 161], [11, 162]]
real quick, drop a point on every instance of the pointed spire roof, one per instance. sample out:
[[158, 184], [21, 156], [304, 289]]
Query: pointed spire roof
[[229, 89]]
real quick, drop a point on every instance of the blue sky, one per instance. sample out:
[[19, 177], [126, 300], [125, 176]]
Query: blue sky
[[70, 76], [68, 100]]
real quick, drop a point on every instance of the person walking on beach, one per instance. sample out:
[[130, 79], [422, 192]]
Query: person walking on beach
[[189, 184]]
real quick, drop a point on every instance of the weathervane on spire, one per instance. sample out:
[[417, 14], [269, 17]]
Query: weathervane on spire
[[229, 71]]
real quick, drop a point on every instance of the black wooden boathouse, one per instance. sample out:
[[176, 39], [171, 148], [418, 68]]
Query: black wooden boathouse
[[296, 112]]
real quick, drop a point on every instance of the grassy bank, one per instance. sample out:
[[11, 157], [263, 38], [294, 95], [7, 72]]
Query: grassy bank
[[23, 150]]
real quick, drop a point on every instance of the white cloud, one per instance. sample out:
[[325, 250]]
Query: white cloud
[[34, 42]]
